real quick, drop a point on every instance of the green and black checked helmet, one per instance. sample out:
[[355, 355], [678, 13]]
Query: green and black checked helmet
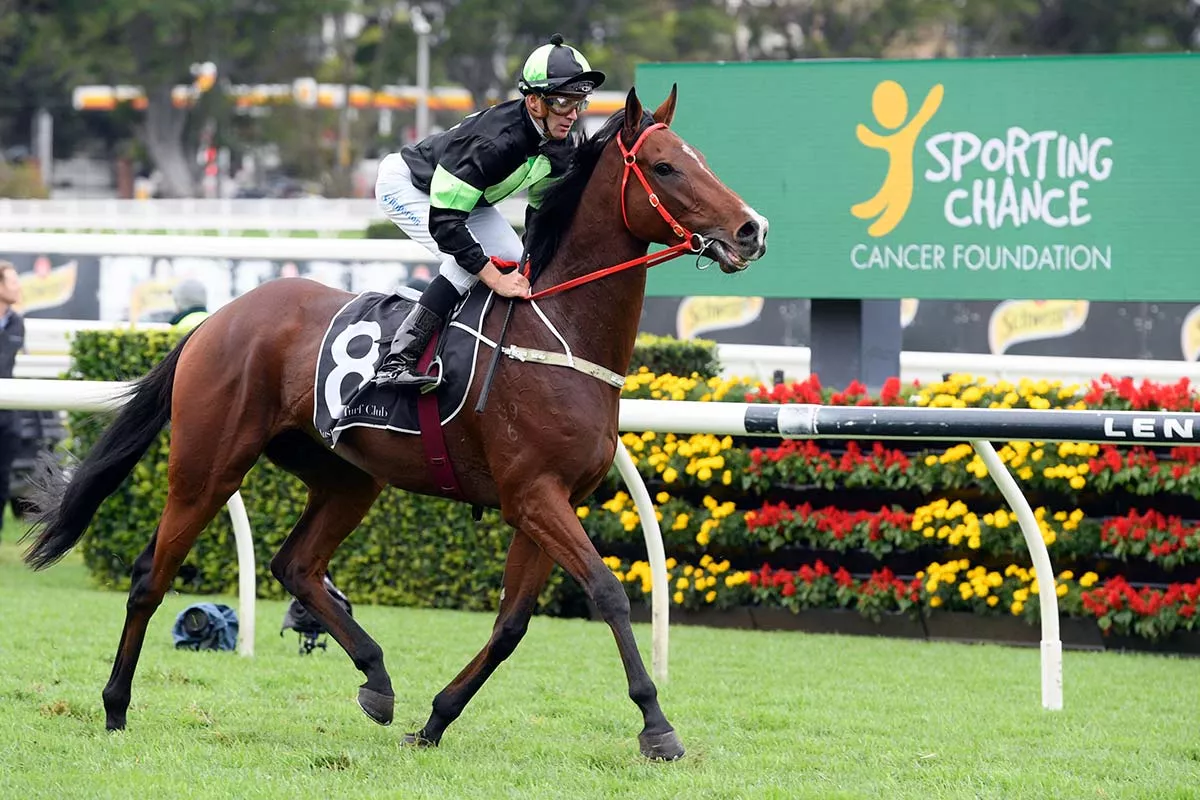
[[558, 67]]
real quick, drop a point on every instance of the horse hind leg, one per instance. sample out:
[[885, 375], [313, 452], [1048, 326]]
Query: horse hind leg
[[525, 572], [339, 496]]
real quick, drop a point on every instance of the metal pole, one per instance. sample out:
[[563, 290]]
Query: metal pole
[[422, 28]]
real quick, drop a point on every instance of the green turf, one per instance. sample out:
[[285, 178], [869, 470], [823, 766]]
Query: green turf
[[763, 715]]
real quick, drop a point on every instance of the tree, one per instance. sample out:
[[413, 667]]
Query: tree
[[794, 29], [482, 44], [1079, 26], [153, 43]]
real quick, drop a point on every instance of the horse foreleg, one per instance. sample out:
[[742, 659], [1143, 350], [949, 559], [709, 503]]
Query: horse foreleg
[[546, 515], [525, 572], [334, 509]]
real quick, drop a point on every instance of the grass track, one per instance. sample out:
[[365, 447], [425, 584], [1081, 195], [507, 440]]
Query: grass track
[[763, 715]]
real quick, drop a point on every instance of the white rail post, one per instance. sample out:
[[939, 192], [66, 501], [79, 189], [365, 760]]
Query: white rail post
[[660, 593], [1052, 691], [246, 576]]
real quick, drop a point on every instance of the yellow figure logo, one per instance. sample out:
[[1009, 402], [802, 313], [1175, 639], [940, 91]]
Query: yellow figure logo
[[889, 103]]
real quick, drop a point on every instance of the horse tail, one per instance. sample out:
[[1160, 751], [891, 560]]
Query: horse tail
[[65, 506]]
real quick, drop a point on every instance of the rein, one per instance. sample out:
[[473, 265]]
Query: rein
[[692, 243]]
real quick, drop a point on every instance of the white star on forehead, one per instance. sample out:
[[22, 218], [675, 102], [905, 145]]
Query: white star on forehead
[[696, 156]]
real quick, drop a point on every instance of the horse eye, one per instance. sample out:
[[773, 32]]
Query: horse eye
[[663, 168]]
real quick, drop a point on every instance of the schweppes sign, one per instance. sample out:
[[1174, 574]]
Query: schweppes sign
[[1189, 335], [1016, 321], [698, 315]]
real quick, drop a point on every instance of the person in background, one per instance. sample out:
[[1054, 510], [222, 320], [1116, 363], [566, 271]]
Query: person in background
[[191, 302], [12, 341]]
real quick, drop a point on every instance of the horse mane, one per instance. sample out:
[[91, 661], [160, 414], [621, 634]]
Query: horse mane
[[560, 200]]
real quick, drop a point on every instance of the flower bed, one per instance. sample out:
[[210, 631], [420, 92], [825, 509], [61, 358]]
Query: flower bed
[[955, 586], [883, 529]]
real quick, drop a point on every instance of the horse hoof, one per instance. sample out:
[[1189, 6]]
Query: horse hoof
[[114, 724], [376, 705], [418, 740], [661, 746]]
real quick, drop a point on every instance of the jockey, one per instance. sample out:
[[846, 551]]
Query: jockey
[[442, 192]]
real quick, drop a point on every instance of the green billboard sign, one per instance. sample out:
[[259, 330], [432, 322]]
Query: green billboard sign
[[1014, 178]]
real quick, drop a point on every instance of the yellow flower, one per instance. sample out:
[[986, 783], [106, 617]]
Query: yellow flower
[[662, 497], [582, 512], [993, 600], [1061, 590], [1077, 482], [934, 602], [678, 598], [681, 583], [1087, 579], [710, 596], [669, 475], [1017, 608]]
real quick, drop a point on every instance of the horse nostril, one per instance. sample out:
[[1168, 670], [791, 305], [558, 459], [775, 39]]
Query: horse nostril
[[748, 232]]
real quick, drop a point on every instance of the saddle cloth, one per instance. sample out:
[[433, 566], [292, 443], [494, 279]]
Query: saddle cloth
[[353, 347]]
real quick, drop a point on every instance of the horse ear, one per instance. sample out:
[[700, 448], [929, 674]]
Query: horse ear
[[666, 112], [633, 114]]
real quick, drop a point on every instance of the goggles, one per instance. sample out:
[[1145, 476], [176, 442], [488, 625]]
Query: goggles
[[562, 104]]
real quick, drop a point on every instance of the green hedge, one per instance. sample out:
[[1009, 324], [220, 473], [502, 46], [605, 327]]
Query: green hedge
[[409, 550], [384, 230], [664, 355]]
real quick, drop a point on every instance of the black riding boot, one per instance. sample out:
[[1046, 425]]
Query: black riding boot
[[399, 367]]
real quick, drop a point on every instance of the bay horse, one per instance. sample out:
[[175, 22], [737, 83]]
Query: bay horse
[[241, 385]]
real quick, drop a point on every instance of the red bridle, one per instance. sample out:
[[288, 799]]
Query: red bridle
[[692, 243]]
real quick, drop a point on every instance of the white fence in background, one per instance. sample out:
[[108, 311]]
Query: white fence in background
[[978, 426], [326, 216]]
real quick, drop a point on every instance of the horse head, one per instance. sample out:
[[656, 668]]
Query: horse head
[[673, 194]]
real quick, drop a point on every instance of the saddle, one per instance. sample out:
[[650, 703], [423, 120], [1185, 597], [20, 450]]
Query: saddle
[[352, 348]]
